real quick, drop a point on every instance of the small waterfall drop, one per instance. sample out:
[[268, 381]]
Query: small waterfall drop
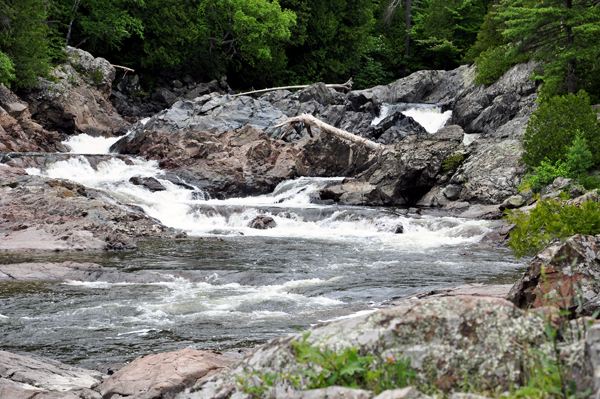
[[429, 116]]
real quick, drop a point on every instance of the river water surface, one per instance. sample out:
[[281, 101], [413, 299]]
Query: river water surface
[[230, 286]]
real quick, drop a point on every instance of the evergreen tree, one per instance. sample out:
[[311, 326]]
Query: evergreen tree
[[23, 41], [563, 34]]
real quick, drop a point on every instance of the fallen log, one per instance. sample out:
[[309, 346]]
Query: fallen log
[[122, 67], [310, 120], [346, 86]]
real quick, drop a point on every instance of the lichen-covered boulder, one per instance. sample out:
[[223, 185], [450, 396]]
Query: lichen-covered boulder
[[450, 342], [76, 99], [564, 275]]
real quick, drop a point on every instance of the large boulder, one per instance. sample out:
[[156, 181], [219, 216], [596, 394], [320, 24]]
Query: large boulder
[[244, 161], [565, 275], [451, 342], [402, 175], [484, 109], [38, 377], [163, 375], [76, 99], [19, 132]]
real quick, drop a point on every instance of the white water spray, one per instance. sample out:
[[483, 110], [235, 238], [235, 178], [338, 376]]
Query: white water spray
[[430, 117]]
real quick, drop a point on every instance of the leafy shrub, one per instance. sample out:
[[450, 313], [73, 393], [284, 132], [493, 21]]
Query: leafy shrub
[[7, 69], [579, 161], [551, 221], [552, 129], [491, 65], [349, 369]]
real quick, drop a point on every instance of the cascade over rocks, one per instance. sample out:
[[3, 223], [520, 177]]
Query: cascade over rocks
[[77, 100], [423, 169], [42, 214]]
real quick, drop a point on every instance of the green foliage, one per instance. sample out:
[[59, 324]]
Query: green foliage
[[349, 369], [101, 25], [489, 35], [550, 221], [371, 71], [562, 34], [7, 69], [23, 38], [332, 38], [579, 161], [552, 129], [452, 162], [491, 65], [445, 30]]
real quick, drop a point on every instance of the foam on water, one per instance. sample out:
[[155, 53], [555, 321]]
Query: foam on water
[[86, 144], [175, 207], [182, 298], [430, 117]]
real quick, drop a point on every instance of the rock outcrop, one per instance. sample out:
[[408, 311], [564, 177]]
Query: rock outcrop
[[450, 342], [475, 161], [163, 375], [42, 214], [19, 132], [564, 275], [244, 161], [36, 377], [76, 100]]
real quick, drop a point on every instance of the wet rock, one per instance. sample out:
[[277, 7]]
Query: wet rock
[[163, 375], [450, 341], [394, 128], [244, 161], [35, 376], [78, 101], [405, 174], [149, 182], [19, 132], [571, 275], [41, 214], [262, 223]]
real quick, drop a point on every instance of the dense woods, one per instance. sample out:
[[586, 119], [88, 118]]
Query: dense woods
[[260, 43]]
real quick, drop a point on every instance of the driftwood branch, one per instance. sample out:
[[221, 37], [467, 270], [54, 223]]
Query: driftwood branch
[[310, 120], [346, 86], [122, 67]]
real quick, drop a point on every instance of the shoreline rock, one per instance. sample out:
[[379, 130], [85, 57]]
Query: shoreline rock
[[43, 214]]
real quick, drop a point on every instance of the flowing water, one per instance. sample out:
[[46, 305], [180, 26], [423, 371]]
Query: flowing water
[[230, 286]]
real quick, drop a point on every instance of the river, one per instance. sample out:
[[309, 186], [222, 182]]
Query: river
[[230, 286]]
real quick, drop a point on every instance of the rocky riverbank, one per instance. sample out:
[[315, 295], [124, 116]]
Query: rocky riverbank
[[211, 142]]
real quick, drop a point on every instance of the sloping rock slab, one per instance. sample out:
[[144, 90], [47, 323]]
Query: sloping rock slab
[[450, 341], [571, 272], [29, 376], [42, 214], [163, 375]]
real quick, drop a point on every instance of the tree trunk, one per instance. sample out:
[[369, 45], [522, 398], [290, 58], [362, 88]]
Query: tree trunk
[[346, 86], [570, 62], [407, 45], [310, 120], [73, 12]]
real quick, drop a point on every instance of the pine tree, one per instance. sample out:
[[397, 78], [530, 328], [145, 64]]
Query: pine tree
[[563, 34]]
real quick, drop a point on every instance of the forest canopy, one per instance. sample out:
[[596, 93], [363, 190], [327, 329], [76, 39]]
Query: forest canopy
[[260, 43]]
